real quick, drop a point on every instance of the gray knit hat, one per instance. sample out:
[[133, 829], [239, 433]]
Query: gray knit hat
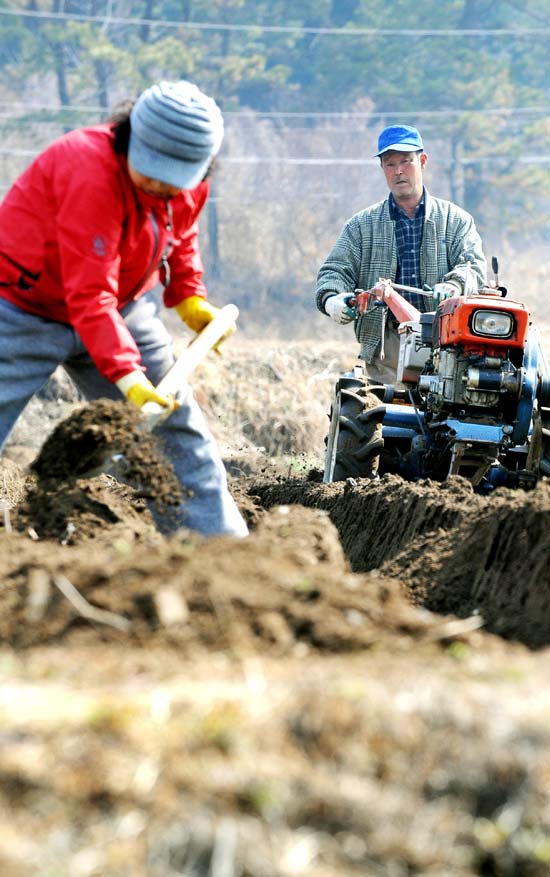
[[175, 131]]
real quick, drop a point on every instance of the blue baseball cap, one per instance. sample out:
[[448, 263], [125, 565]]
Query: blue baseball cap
[[400, 138], [175, 131]]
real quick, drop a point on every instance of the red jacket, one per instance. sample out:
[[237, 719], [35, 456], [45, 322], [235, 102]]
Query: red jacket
[[78, 241]]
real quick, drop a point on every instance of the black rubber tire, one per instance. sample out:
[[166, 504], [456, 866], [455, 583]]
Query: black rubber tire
[[544, 461], [359, 441]]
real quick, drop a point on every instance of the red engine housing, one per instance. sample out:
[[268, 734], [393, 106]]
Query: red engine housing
[[455, 317]]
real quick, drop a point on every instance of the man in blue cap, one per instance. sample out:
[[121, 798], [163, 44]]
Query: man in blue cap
[[411, 238]]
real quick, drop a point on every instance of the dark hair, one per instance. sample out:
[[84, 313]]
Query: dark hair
[[211, 169], [416, 152], [119, 122]]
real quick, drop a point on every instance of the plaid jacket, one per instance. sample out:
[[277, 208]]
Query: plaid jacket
[[366, 250]]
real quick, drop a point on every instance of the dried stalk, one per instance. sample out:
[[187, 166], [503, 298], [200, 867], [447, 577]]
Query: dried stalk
[[102, 616], [39, 594], [225, 850], [6, 513], [456, 628]]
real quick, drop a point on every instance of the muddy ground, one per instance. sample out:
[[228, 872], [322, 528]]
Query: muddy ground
[[358, 688]]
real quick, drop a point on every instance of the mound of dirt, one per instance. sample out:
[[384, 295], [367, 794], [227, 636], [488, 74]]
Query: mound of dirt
[[286, 704], [496, 562], [175, 705], [84, 510], [102, 435], [287, 584], [375, 519], [454, 552]]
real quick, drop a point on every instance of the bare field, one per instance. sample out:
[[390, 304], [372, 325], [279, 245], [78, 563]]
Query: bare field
[[358, 688]]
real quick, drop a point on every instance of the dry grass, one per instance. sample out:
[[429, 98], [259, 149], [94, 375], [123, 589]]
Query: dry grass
[[273, 391], [526, 274], [265, 396], [273, 396]]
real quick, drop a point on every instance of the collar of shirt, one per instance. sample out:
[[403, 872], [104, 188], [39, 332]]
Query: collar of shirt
[[396, 211]]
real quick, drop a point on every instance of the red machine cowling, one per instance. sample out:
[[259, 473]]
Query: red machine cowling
[[457, 320]]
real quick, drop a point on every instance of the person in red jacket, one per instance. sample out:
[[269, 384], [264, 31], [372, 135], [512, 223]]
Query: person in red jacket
[[86, 231]]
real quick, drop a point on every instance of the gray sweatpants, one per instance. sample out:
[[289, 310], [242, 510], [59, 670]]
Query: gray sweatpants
[[31, 348]]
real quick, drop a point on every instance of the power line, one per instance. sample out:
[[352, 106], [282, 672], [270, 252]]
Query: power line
[[52, 107], [380, 113], [255, 115], [296, 135], [26, 152], [108, 19], [253, 159], [283, 199], [322, 161]]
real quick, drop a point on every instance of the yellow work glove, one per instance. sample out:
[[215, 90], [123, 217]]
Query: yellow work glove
[[138, 390], [196, 313]]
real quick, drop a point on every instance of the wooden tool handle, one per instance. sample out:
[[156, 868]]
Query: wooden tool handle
[[188, 360]]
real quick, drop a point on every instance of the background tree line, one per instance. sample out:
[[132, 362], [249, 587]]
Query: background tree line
[[305, 89]]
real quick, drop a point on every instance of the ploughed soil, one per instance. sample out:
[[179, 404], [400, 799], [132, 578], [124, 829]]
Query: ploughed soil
[[360, 687]]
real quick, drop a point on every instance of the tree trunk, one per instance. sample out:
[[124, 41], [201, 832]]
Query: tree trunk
[[101, 72], [473, 190], [58, 51], [213, 233], [456, 171], [102, 78], [145, 31]]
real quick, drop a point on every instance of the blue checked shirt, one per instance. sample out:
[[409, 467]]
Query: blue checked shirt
[[408, 237], [366, 250]]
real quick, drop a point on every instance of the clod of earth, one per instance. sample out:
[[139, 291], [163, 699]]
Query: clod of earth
[[93, 437]]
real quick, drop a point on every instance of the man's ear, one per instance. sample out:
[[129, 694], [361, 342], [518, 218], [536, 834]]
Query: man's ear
[[423, 160]]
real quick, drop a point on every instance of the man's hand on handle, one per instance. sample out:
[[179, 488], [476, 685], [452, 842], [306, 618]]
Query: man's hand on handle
[[337, 307], [365, 296], [444, 290]]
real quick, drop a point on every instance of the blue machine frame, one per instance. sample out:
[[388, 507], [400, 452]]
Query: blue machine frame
[[404, 422]]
